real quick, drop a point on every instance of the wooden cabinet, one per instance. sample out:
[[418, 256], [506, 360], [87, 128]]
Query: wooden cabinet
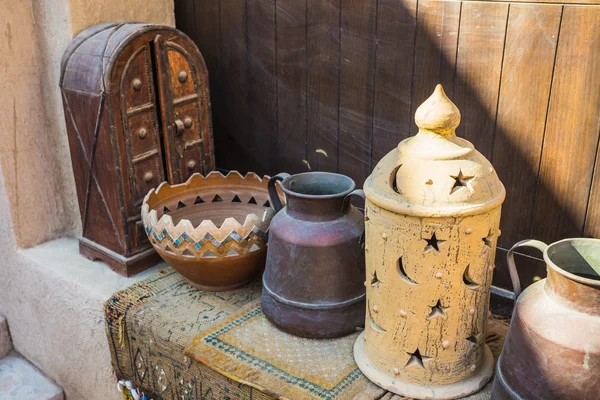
[[137, 111]]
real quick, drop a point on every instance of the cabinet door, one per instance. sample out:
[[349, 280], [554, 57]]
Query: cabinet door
[[185, 107], [140, 124]]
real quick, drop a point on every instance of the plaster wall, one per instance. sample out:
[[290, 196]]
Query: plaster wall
[[51, 296], [84, 13], [33, 155]]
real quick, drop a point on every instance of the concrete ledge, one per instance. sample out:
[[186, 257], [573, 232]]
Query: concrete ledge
[[53, 298], [61, 256], [19, 380]]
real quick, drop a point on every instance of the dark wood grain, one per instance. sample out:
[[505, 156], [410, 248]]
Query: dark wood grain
[[207, 33], [262, 88], [356, 92], [478, 68], [570, 144], [323, 74], [291, 88], [396, 29], [521, 121], [185, 15], [234, 79], [435, 50]]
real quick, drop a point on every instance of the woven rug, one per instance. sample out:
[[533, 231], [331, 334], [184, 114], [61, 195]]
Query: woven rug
[[150, 323], [148, 326], [249, 349]]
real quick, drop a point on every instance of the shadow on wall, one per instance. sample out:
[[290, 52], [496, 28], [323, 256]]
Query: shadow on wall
[[333, 85]]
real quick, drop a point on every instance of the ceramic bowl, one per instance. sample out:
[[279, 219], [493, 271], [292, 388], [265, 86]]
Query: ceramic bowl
[[213, 229]]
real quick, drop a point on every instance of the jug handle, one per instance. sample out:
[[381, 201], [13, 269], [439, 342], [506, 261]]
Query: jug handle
[[346, 203], [510, 260], [273, 195], [356, 192]]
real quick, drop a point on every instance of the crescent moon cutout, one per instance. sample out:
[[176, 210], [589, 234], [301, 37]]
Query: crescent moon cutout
[[402, 273], [392, 179], [468, 281], [374, 325]]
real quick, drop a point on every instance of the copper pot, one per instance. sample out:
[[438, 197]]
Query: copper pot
[[313, 281], [552, 350]]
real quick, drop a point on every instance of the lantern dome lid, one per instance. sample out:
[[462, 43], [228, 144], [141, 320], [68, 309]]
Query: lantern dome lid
[[435, 173]]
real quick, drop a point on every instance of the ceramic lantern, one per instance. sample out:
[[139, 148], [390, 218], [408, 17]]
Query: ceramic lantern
[[432, 217]]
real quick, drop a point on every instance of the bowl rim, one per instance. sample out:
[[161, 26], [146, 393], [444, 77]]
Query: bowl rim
[[150, 214]]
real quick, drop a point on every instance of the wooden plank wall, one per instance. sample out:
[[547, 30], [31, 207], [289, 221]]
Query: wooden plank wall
[[333, 85]]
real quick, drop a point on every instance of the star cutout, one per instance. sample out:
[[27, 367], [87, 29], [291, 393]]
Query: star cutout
[[461, 181], [375, 282], [417, 359], [433, 244], [438, 311]]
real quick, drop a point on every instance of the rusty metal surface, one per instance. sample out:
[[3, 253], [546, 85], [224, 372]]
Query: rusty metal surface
[[553, 346], [313, 284]]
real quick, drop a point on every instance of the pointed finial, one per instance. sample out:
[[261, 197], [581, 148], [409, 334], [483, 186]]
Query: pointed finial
[[438, 114]]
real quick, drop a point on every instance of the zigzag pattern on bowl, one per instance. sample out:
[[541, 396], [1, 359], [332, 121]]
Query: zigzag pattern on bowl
[[206, 240]]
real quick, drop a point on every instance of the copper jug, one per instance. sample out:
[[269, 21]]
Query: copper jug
[[313, 285], [552, 350]]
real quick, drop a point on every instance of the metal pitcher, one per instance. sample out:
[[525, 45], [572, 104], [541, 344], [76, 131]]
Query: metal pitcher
[[552, 350], [313, 285]]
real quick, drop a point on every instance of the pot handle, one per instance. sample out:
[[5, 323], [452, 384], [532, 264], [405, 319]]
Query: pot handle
[[510, 260], [356, 192], [273, 195]]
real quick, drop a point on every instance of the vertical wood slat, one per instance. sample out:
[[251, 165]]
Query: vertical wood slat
[[527, 69], [358, 25], [435, 50], [570, 143], [234, 85], [184, 15], [478, 68], [395, 40], [291, 88], [207, 35], [323, 69], [592, 218], [262, 45]]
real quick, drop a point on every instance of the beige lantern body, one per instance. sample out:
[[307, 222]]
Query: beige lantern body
[[432, 218]]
